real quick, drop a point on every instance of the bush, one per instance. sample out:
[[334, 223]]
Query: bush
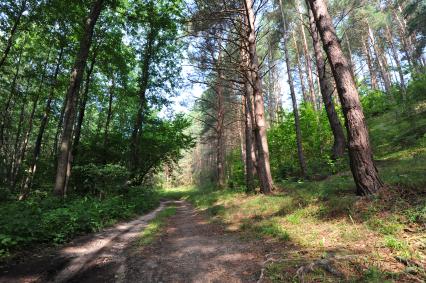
[[51, 220], [99, 179], [375, 102]]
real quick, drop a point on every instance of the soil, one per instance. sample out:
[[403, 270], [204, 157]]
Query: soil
[[190, 249]]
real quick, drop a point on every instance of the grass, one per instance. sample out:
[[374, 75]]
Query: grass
[[155, 226], [317, 219]]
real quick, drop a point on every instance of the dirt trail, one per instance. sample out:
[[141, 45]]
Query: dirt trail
[[189, 250]]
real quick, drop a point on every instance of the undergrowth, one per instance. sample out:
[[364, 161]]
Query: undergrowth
[[49, 220]]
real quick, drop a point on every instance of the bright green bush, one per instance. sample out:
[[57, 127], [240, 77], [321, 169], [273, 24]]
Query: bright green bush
[[97, 179], [51, 220]]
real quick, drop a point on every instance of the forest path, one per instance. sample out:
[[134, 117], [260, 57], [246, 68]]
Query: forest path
[[190, 249]]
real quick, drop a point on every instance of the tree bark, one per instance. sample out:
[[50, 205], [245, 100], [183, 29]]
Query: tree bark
[[72, 97], [108, 119], [307, 58], [300, 155], [339, 144], [364, 170], [26, 185], [373, 75], [264, 170], [306, 98], [396, 58], [12, 33], [381, 63], [5, 115], [83, 103]]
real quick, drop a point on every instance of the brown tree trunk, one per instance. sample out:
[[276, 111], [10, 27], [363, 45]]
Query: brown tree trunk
[[300, 155], [381, 63], [307, 57], [373, 75], [306, 98], [396, 58], [5, 115], [72, 97], [137, 128], [339, 144], [12, 33], [24, 144], [348, 44], [108, 118], [26, 185], [15, 152], [250, 149], [83, 103], [364, 170], [264, 170]]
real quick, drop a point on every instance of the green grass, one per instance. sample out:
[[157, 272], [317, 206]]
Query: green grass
[[154, 227]]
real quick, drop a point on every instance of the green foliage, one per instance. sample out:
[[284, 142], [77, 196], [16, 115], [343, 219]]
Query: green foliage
[[50, 220], [317, 142], [375, 102], [97, 179]]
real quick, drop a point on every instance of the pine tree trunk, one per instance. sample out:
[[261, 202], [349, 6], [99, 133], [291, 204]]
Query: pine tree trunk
[[264, 170], [339, 144], [373, 75], [250, 149], [306, 98], [26, 185], [348, 44], [380, 61], [364, 170], [307, 58], [300, 155], [72, 97], [396, 58]]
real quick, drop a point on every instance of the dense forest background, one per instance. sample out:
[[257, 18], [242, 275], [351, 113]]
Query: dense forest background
[[294, 95]]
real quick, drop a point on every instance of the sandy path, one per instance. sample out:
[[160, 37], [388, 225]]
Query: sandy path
[[193, 250], [84, 255], [189, 250]]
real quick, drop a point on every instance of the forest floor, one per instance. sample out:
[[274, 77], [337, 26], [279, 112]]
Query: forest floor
[[188, 249]]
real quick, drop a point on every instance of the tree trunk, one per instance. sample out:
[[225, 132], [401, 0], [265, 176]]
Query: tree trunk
[[348, 44], [15, 152], [12, 33], [72, 97], [381, 63], [396, 58], [306, 98], [373, 75], [26, 185], [108, 119], [307, 57], [23, 148], [327, 92], [364, 170], [250, 149], [83, 103], [264, 170], [137, 129], [5, 114], [300, 155]]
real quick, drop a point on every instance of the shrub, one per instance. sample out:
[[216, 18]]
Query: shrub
[[53, 221]]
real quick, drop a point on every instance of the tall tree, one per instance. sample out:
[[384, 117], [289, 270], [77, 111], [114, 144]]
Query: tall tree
[[72, 96], [326, 87], [363, 168]]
